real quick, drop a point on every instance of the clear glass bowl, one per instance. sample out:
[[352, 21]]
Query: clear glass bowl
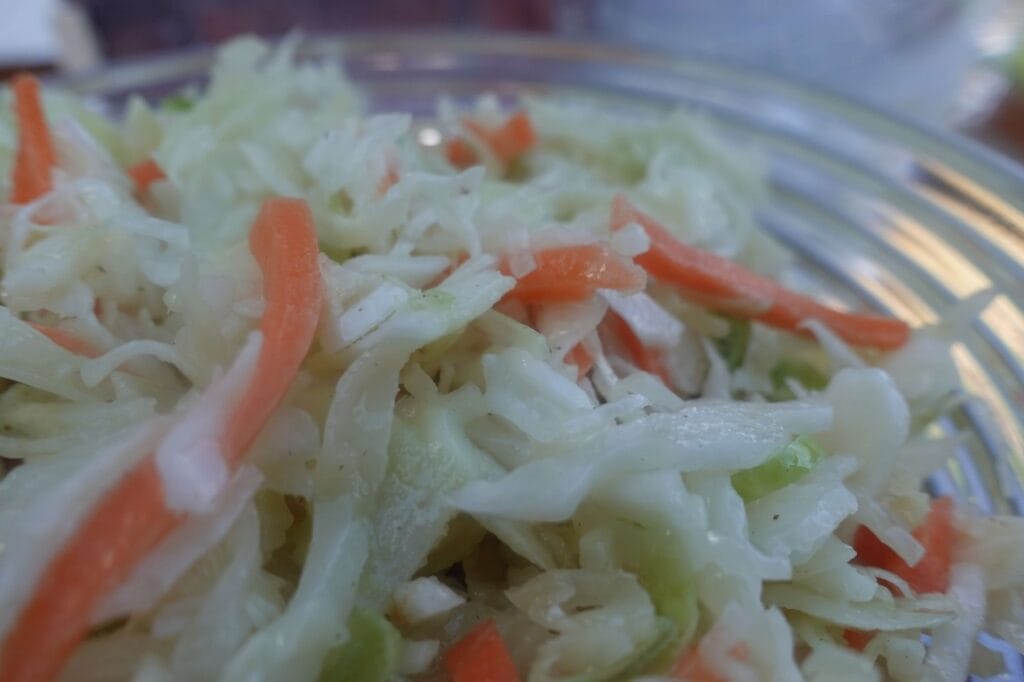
[[881, 212]]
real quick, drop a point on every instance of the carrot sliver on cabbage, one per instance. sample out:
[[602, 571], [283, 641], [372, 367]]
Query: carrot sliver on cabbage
[[936, 533], [510, 140], [691, 666], [641, 355], [114, 537], [857, 639], [133, 516], [284, 243], [481, 656], [460, 153], [581, 358], [145, 173], [68, 341], [930, 574], [575, 273], [727, 287], [507, 142], [32, 175]]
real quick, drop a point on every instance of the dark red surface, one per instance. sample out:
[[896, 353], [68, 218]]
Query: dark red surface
[[1004, 127], [131, 27]]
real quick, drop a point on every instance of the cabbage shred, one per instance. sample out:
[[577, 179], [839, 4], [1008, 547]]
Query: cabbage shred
[[439, 460]]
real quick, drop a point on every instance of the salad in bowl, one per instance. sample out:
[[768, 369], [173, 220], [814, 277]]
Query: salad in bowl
[[293, 391]]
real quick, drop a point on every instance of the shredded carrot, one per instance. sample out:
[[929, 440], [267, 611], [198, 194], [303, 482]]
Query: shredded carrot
[[937, 534], [507, 142], [575, 273], [643, 357], [388, 180], [481, 656], [857, 639], [133, 517], [692, 667], [35, 157], [510, 140], [127, 523], [284, 243], [460, 153], [582, 358], [145, 173], [728, 287], [67, 340]]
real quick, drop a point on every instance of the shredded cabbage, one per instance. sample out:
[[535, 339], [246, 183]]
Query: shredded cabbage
[[621, 505]]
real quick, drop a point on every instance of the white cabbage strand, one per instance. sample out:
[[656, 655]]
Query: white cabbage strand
[[701, 435], [949, 654]]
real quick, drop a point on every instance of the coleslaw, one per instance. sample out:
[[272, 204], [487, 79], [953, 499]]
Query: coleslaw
[[293, 391]]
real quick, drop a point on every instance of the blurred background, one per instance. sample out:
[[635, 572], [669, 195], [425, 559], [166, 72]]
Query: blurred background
[[956, 63]]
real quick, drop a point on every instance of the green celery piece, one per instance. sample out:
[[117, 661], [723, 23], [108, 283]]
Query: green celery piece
[[674, 595], [657, 562], [783, 468], [733, 346], [809, 376], [369, 655]]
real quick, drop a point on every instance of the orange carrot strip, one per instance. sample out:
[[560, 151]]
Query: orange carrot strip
[[67, 340], [575, 273], [35, 156], [133, 517], [460, 153], [481, 656], [507, 142], [692, 667], [145, 173], [510, 140], [129, 521], [582, 358], [857, 639], [284, 243], [937, 534], [643, 357], [728, 287]]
